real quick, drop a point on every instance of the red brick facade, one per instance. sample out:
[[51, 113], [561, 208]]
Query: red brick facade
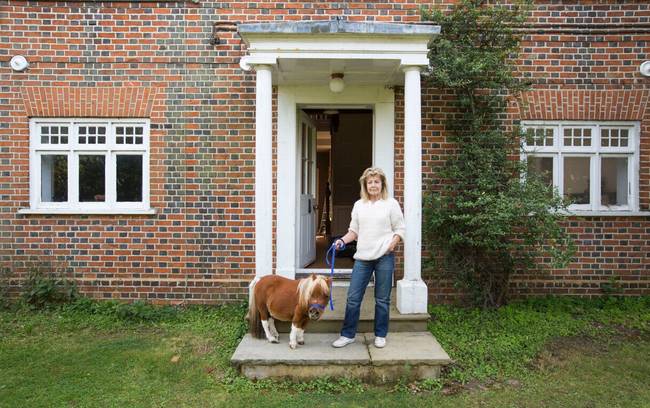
[[81, 102], [156, 60]]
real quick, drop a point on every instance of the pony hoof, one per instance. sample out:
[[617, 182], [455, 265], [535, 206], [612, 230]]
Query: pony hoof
[[302, 343], [293, 346], [274, 340]]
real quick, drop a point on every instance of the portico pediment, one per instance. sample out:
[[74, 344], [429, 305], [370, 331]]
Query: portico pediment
[[308, 52]]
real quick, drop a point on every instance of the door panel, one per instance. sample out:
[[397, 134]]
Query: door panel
[[307, 200]]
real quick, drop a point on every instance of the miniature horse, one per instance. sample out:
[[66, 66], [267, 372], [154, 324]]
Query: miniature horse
[[297, 301]]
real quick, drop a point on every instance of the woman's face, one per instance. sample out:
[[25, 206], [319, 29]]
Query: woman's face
[[373, 185]]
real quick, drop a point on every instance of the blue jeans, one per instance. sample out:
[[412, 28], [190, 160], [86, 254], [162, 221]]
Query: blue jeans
[[361, 273]]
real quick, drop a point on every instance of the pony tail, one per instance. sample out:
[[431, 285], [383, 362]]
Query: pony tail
[[254, 322]]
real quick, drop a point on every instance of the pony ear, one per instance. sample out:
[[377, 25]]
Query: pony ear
[[329, 281], [313, 276]]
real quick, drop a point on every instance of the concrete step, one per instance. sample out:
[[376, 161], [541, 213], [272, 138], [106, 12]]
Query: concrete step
[[332, 320], [410, 355], [340, 275]]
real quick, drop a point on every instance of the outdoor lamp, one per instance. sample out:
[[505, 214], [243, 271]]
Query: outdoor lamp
[[336, 83]]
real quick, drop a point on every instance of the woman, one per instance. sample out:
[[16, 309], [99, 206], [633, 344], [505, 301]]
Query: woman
[[378, 225]]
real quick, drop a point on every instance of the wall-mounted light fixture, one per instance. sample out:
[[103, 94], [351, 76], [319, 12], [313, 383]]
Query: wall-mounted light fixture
[[645, 69], [336, 82], [19, 63]]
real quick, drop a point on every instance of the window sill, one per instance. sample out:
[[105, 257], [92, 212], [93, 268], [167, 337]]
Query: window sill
[[585, 213], [66, 211]]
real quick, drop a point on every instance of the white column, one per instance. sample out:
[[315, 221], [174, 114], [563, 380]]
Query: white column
[[412, 291], [263, 172]]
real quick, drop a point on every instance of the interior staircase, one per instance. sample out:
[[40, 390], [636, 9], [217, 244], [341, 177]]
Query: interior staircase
[[411, 351]]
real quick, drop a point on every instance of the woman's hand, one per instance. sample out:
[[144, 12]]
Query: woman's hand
[[393, 243], [339, 244]]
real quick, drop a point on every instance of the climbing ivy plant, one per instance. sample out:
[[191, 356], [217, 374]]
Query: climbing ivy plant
[[490, 216]]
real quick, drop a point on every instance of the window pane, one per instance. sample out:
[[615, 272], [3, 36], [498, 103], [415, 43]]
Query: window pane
[[303, 174], [54, 178], [613, 183], [92, 169], [542, 166], [614, 137], [539, 137], [576, 179], [54, 135], [310, 159], [624, 137], [92, 134], [129, 178], [129, 134], [577, 137]]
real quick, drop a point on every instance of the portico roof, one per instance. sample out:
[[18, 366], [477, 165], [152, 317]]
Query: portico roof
[[308, 52], [339, 27]]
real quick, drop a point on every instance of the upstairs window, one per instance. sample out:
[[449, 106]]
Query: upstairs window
[[593, 164], [89, 165]]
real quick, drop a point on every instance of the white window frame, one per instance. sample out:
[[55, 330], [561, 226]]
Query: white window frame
[[73, 150], [595, 152]]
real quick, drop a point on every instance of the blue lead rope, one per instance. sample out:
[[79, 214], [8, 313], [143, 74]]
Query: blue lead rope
[[330, 257]]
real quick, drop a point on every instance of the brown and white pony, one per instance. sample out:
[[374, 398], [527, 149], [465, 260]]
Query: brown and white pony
[[295, 301]]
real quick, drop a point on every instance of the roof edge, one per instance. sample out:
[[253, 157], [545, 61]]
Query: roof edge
[[338, 27]]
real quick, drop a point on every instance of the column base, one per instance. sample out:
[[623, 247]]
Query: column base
[[411, 296]]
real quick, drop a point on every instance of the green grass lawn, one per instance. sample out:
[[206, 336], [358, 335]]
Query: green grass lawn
[[539, 353]]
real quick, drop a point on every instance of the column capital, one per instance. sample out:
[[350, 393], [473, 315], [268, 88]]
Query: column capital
[[257, 62], [409, 68]]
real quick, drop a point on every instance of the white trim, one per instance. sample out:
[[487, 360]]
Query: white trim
[[72, 150], [595, 152], [608, 213], [88, 211], [289, 99], [263, 171], [266, 49], [383, 151]]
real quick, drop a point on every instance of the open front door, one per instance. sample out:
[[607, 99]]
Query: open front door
[[307, 206]]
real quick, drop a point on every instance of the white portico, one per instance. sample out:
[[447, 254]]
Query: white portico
[[300, 58]]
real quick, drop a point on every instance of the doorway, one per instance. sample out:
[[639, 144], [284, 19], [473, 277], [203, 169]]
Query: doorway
[[378, 99], [332, 158]]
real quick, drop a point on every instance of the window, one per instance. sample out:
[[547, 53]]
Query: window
[[89, 165], [594, 164]]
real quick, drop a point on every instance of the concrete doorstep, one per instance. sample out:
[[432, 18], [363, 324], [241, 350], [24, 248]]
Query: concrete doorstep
[[410, 355]]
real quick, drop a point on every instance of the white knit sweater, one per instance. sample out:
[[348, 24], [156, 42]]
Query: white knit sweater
[[375, 224]]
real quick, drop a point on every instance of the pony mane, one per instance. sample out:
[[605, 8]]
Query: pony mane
[[306, 288]]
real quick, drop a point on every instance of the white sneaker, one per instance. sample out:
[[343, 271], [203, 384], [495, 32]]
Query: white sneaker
[[380, 342], [342, 342]]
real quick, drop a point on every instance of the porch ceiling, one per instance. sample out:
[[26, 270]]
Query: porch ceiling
[[296, 71]]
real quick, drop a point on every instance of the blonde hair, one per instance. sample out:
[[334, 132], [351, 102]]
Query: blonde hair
[[306, 287], [373, 172]]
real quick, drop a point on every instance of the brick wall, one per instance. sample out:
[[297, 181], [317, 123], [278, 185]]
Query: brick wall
[[199, 246], [583, 61]]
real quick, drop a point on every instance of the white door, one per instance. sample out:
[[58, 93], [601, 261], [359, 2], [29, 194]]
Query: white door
[[307, 205]]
